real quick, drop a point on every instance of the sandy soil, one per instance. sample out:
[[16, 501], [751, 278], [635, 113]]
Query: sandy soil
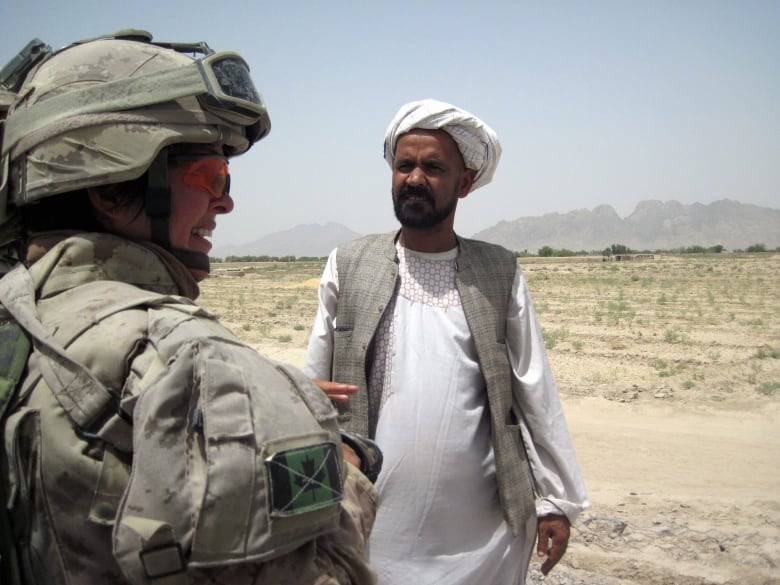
[[669, 372]]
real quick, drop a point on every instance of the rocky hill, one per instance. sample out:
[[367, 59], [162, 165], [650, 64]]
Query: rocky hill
[[303, 240], [653, 225]]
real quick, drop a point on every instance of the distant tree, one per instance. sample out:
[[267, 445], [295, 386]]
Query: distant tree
[[716, 249], [756, 248], [547, 252], [564, 253], [620, 249]]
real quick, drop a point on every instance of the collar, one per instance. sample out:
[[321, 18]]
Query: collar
[[68, 259]]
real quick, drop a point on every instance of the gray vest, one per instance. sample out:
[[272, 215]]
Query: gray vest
[[368, 278]]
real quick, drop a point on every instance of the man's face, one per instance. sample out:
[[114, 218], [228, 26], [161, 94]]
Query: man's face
[[428, 178]]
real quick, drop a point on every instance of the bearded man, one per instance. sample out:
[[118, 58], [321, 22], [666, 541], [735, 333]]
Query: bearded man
[[429, 343]]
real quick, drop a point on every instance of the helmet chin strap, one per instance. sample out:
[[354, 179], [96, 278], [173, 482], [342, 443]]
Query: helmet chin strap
[[158, 208], [193, 260]]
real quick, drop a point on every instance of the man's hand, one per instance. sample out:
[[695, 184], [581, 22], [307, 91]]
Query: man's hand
[[336, 391], [553, 537]]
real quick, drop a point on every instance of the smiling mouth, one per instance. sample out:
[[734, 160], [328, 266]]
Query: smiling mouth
[[202, 232]]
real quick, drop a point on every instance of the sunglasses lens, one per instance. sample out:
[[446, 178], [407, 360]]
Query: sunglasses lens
[[209, 174]]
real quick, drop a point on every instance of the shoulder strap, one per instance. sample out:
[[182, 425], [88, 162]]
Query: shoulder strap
[[79, 392]]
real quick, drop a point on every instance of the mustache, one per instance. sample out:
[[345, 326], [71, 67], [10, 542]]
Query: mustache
[[415, 191]]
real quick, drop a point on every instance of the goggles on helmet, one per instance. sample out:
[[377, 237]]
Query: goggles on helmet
[[206, 172], [231, 91], [220, 81]]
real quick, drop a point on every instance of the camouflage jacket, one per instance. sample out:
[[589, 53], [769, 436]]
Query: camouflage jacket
[[146, 441]]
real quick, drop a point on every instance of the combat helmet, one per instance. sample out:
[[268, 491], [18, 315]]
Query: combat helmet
[[102, 111]]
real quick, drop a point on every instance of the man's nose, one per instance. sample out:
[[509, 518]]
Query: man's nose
[[416, 177]]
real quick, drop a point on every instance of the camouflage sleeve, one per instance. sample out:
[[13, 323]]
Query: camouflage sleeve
[[349, 543], [336, 558], [369, 452], [160, 519]]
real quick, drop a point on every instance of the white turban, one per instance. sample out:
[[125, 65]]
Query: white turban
[[476, 140]]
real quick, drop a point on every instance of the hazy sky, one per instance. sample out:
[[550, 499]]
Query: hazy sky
[[595, 102]]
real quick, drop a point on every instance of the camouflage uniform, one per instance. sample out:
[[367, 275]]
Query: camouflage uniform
[[77, 491]]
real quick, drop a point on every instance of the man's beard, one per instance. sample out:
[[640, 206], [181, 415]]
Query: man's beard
[[420, 214]]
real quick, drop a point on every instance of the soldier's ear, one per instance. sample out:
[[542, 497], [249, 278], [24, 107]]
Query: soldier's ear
[[105, 206], [107, 213]]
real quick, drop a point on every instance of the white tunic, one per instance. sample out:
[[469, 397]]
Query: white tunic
[[439, 519]]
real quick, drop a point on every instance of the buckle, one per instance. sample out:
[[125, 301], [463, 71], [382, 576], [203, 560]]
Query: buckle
[[163, 560]]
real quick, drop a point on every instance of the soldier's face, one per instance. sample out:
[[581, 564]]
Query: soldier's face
[[428, 178], [196, 180], [197, 198]]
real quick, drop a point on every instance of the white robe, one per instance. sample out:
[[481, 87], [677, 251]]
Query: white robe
[[439, 519]]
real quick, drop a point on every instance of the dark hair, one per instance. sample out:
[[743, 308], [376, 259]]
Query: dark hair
[[74, 211]]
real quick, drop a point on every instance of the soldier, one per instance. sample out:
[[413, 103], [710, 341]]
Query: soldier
[[144, 442]]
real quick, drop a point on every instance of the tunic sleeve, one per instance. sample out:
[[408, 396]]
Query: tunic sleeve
[[319, 354], [558, 481]]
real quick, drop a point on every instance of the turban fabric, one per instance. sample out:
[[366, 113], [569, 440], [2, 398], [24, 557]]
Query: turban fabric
[[476, 140]]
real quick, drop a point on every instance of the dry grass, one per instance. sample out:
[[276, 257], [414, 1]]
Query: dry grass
[[686, 327]]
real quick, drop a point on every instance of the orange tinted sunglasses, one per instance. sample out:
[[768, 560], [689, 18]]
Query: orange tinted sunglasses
[[206, 172]]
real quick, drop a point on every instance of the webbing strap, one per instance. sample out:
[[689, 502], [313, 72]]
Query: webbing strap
[[161, 557]]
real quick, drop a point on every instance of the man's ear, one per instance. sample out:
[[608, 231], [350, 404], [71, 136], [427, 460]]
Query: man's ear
[[466, 181]]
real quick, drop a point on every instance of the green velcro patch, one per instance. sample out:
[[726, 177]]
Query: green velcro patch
[[14, 349], [304, 479]]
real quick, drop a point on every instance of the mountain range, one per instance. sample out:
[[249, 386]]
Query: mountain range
[[302, 240], [653, 225]]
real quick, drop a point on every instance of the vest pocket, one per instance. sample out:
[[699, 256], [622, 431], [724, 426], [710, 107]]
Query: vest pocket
[[231, 460]]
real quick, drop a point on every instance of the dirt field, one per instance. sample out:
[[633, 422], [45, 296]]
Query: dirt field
[[669, 371]]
